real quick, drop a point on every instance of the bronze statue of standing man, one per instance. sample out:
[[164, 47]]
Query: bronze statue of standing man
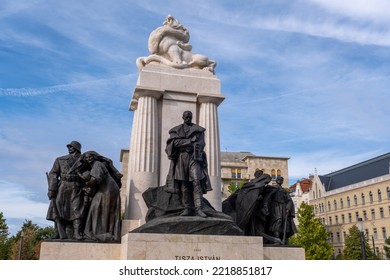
[[188, 170], [66, 196]]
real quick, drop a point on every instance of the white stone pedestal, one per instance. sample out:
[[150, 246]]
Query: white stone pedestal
[[160, 97], [148, 246]]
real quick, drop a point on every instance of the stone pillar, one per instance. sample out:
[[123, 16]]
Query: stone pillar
[[160, 97], [144, 151], [208, 118]]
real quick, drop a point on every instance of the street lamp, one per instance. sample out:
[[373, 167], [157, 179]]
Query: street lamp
[[362, 241], [21, 245]]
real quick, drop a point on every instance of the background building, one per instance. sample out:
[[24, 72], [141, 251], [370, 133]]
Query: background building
[[361, 191], [300, 192], [238, 166]]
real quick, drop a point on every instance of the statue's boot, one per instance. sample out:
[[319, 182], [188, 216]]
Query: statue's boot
[[77, 230], [185, 196], [198, 198]]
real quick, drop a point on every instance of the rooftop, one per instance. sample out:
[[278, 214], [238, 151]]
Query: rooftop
[[366, 170]]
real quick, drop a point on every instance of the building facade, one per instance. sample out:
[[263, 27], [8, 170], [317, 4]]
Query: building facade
[[361, 191], [239, 166], [300, 192]]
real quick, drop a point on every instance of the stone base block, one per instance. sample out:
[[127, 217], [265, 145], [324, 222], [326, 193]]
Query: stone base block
[[283, 253], [149, 246], [79, 251]]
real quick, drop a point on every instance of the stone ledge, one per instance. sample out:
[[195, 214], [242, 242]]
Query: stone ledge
[[149, 246], [79, 251]]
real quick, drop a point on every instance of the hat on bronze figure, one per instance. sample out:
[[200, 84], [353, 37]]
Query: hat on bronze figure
[[75, 145]]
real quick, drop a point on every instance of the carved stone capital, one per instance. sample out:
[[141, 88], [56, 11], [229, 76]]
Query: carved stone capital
[[144, 91], [215, 99]]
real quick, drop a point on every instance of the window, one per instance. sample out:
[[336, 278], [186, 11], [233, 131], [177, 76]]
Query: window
[[273, 174], [342, 219], [314, 195], [365, 215], [371, 196], [236, 173], [357, 216], [375, 234], [366, 232], [348, 202], [328, 205], [338, 236], [330, 221], [381, 213], [335, 204], [373, 214], [384, 234], [355, 200], [336, 218], [349, 217], [341, 203], [388, 192], [331, 237], [379, 195], [344, 235], [363, 199], [279, 173], [319, 193]]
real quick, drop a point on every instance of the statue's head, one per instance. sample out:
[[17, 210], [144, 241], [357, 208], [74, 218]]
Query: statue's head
[[187, 117], [258, 173], [90, 156], [279, 180], [74, 145]]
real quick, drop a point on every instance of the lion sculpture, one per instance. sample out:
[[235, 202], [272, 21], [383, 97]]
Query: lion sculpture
[[168, 45]]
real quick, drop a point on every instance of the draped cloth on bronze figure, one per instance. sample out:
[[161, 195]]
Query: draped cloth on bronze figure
[[103, 222], [248, 200], [262, 210], [187, 162]]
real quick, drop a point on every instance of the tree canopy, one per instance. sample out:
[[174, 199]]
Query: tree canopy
[[353, 247], [4, 241], [387, 247], [311, 235]]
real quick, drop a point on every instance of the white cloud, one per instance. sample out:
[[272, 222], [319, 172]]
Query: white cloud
[[79, 86], [16, 201], [371, 10]]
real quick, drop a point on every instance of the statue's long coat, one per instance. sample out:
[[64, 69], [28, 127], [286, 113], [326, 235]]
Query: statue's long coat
[[184, 166]]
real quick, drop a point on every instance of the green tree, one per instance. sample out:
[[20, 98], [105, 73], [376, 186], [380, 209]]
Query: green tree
[[232, 188], [5, 248], [27, 242], [387, 248], [311, 235], [353, 248]]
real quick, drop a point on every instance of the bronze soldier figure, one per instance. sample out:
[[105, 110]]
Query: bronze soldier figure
[[66, 208]]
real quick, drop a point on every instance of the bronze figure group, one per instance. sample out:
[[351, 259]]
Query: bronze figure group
[[84, 193]]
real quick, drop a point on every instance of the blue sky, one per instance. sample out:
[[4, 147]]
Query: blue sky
[[305, 79]]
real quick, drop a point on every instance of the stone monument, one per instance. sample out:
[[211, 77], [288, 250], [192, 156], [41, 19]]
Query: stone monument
[[171, 80]]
